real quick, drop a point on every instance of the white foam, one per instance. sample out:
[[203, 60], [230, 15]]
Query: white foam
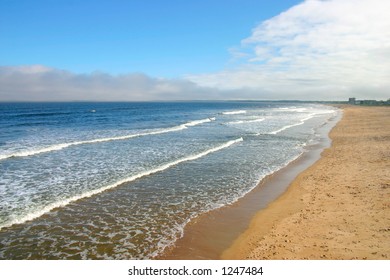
[[61, 146], [164, 243], [234, 112], [249, 121], [67, 201], [298, 110], [193, 123], [302, 121], [291, 109]]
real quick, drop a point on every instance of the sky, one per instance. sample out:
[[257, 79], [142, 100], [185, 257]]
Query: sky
[[194, 50]]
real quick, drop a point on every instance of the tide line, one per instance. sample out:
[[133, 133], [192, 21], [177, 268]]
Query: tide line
[[62, 203]]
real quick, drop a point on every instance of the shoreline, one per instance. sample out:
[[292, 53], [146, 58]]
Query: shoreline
[[338, 208], [211, 233]]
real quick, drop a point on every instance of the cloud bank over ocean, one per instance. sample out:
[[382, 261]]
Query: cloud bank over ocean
[[40, 83], [316, 50]]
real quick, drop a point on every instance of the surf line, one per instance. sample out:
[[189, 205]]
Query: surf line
[[62, 203], [292, 125], [247, 121], [234, 112], [58, 147]]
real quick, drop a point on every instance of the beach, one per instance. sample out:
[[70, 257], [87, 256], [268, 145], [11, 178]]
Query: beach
[[338, 208]]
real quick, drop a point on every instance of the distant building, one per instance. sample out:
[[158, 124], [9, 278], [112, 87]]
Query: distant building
[[370, 102], [367, 102]]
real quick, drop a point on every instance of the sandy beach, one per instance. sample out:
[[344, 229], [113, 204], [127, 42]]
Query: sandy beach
[[339, 208]]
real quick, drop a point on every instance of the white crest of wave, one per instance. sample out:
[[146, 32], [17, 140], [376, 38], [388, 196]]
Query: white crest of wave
[[193, 123], [234, 112], [248, 121], [302, 121], [66, 201], [61, 146]]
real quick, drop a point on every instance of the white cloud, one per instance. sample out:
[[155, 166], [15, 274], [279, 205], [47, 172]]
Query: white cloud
[[315, 50]]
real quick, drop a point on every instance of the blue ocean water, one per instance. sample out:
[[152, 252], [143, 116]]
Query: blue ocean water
[[121, 180]]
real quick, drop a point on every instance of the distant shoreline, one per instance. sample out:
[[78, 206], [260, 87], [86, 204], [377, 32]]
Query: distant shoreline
[[336, 209]]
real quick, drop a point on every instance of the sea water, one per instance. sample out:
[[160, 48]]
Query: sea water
[[121, 180]]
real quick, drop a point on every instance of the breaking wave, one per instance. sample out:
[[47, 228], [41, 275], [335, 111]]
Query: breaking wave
[[39, 212], [234, 112], [61, 146]]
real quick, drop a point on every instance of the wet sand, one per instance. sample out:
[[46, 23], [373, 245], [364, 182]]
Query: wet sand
[[210, 234], [338, 208]]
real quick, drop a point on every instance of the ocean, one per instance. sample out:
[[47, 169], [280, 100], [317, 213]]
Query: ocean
[[121, 180]]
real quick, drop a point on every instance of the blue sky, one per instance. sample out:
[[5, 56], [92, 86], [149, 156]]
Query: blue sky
[[160, 38], [118, 50]]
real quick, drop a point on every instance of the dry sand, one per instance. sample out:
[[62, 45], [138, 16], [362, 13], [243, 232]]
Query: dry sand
[[339, 208]]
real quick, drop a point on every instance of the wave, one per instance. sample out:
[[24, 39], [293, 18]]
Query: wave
[[193, 123], [62, 203], [61, 146], [234, 112], [249, 121], [302, 121], [291, 109]]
